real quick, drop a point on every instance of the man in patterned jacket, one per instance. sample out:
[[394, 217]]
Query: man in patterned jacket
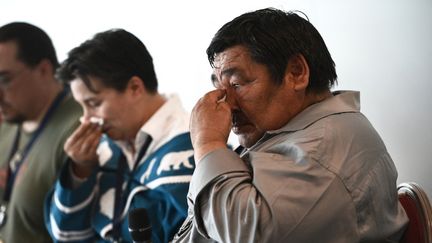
[[132, 150]]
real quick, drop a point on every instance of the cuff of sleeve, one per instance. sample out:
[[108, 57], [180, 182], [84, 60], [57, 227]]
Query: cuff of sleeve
[[74, 181], [69, 195], [214, 164]]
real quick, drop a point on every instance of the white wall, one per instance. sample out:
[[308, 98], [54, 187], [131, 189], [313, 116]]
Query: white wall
[[381, 48]]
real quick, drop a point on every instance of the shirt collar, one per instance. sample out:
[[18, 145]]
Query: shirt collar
[[340, 102], [161, 121], [157, 127]]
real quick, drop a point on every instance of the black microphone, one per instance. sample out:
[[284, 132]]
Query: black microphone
[[139, 226]]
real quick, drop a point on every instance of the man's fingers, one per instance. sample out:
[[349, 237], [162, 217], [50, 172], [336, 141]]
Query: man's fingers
[[81, 133], [214, 96], [90, 144]]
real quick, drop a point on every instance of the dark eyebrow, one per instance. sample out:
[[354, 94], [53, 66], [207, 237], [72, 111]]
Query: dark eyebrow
[[229, 72], [3, 73], [233, 73]]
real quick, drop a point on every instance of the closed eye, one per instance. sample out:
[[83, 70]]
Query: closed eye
[[235, 85], [92, 103]]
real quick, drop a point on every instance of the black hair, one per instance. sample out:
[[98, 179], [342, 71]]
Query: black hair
[[274, 36], [114, 56], [33, 44]]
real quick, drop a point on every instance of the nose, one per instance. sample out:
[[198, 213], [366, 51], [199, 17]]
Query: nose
[[87, 114]]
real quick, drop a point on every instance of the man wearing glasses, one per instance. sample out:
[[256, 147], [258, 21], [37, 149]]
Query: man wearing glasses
[[38, 114]]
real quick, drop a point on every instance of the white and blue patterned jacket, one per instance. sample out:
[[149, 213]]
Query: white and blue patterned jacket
[[159, 183]]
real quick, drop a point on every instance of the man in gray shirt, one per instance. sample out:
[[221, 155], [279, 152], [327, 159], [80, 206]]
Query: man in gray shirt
[[320, 173]]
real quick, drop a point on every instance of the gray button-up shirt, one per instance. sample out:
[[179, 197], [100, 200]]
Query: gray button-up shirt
[[325, 176]]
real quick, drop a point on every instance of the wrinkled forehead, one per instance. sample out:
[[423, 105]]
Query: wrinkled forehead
[[229, 59]]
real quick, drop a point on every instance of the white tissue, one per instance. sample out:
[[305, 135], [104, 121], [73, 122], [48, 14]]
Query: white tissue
[[94, 120], [223, 99]]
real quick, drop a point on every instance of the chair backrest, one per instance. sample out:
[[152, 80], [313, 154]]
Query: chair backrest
[[419, 210]]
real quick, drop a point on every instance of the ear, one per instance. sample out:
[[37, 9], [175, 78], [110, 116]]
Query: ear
[[45, 68], [297, 73], [136, 86]]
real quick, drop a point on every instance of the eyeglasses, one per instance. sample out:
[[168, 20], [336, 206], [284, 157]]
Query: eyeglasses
[[7, 77]]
